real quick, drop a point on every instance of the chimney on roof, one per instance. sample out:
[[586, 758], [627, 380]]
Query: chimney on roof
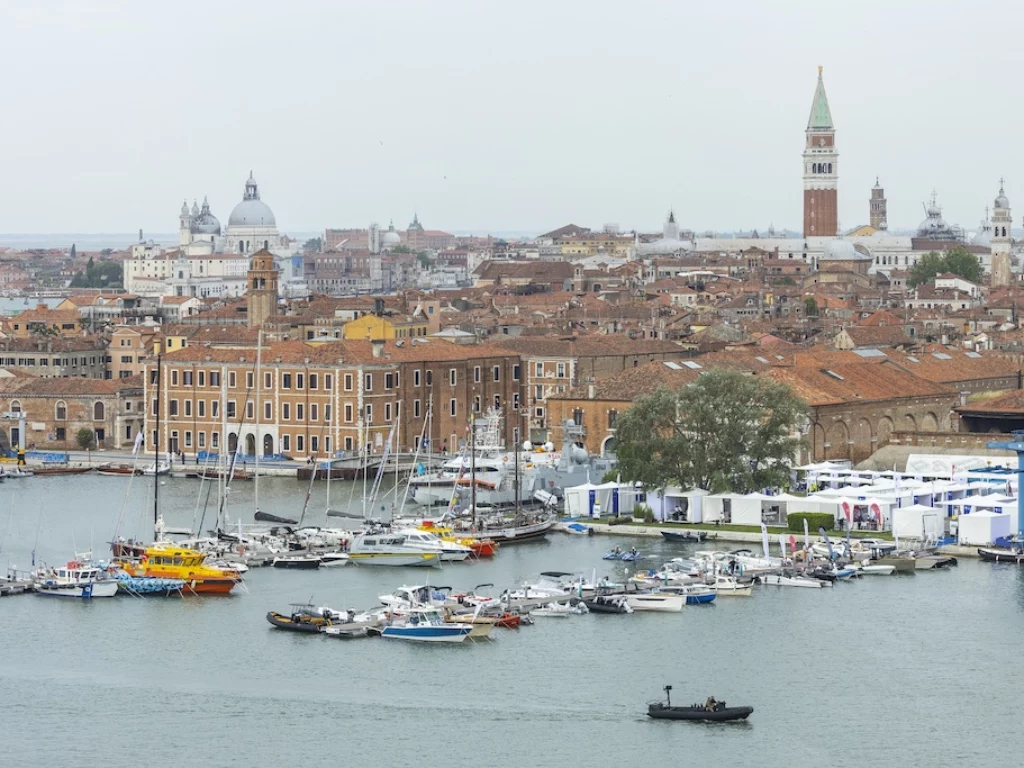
[[378, 306], [377, 346], [591, 391]]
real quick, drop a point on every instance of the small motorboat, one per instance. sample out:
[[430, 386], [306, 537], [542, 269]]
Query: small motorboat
[[608, 604], [789, 579], [308, 618], [579, 529], [656, 601], [76, 579], [631, 557], [692, 537], [730, 586], [16, 473], [613, 554], [304, 561], [712, 711], [878, 570], [347, 632], [994, 555], [427, 625], [333, 559], [560, 610], [117, 470], [692, 594]]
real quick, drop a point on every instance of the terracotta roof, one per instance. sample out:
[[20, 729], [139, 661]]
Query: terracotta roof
[[70, 387], [878, 336], [632, 382], [880, 318], [949, 366], [589, 346], [855, 383], [1010, 404]]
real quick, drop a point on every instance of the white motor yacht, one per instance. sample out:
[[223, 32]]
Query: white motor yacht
[[405, 598], [656, 601], [385, 548], [448, 551], [76, 579], [785, 579]]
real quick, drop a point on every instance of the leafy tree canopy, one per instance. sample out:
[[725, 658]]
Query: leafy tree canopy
[[957, 260], [105, 274], [725, 431]]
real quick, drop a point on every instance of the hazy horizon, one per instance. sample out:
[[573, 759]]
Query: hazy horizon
[[483, 117]]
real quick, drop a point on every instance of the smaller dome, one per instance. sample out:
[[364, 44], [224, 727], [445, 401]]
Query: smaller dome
[[983, 236], [184, 207], [391, 238], [1001, 200], [195, 208]]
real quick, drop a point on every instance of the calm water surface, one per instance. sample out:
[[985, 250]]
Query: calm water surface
[[911, 671]]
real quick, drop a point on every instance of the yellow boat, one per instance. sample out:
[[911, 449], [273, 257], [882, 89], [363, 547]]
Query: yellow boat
[[480, 547], [169, 561]]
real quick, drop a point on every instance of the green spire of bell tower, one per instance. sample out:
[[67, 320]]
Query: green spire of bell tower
[[821, 115]]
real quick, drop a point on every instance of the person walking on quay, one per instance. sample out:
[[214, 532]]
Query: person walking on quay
[[21, 457]]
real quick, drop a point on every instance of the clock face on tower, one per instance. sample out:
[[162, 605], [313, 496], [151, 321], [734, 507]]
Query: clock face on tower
[[821, 142]]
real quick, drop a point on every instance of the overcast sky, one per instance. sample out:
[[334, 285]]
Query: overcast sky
[[497, 116]]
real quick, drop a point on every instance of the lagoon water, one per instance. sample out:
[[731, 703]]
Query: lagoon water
[[912, 671]]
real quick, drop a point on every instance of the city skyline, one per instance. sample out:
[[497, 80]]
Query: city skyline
[[417, 113]]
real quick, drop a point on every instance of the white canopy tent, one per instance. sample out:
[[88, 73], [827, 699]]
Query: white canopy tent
[[677, 504], [982, 527], [918, 521]]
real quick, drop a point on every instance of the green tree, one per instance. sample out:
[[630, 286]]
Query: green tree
[[74, 252], [313, 244], [84, 438], [926, 268], [725, 431], [810, 306], [960, 261]]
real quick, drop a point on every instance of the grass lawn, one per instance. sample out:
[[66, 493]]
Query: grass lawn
[[772, 530]]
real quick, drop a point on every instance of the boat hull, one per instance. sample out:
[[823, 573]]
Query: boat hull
[[699, 714], [421, 559], [658, 603], [901, 564], [1001, 555], [280, 621], [684, 537], [297, 563], [80, 591], [450, 633]]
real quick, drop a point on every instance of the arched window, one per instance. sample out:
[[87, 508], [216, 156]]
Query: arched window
[[61, 411], [15, 406], [266, 245], [241, 246], [98, 411], [830, 167]]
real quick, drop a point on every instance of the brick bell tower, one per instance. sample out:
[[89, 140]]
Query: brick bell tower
[[821, 169], [262, 288]]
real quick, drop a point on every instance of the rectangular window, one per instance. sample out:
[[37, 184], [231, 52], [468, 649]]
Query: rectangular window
[[369, 413], [268, 411], [368, 382], [231, 411], [389, 380], [202, 378], [174, 376], [560, 370], [154, 407], [286, 443], [188, 438], [327, 411], [515, 372], [476, 374], [214, 378], [312, 381], [202, 439], [416, 377], [173, 407], [300, 443], [249, 380], [476, 404], [515, 400], [300, 411], [453, 377], [314, 412], [497, 373], [62, 434], [250, 410], [327, 444], [328, 381], [286, 411], [348, 382], [452, 406], [348, 443], [188, 407], [497, 401], [215, 408], [300, 381], [387, 411], [348, 412], [286, 381], [613, 416], [232, 380], [215, 439], [415, 409], [430, 378], [539, 369], [538, 392], [397, 385], [186, 378], [314, 443], [268, 380]]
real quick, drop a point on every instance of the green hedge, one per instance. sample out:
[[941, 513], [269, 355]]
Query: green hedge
[[815, 520]]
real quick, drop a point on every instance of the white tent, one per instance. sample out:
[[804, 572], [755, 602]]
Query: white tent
[[719, 507], [982, 527], [581, 500], [914, 521], [677, 504], [747, 510]]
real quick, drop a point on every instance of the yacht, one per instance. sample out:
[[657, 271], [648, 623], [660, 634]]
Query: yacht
[[448, 551], [405, 598], [386, 548], [426, 625]]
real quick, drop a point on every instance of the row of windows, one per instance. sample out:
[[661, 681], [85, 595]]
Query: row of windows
[[23, 362], [60, 410]]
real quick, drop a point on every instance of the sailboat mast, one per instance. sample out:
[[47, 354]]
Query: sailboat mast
[[256, 464], [515, 455], [156, 444], [472, 466]]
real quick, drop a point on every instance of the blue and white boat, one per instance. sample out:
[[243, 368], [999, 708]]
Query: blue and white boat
[[426, 625], [695, 594]]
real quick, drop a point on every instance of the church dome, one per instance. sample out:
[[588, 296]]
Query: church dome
[[840, 250], [206, 223], [983, 236], [391, 238], [251, 212]]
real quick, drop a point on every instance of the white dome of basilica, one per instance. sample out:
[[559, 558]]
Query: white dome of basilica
[[251, 212]]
